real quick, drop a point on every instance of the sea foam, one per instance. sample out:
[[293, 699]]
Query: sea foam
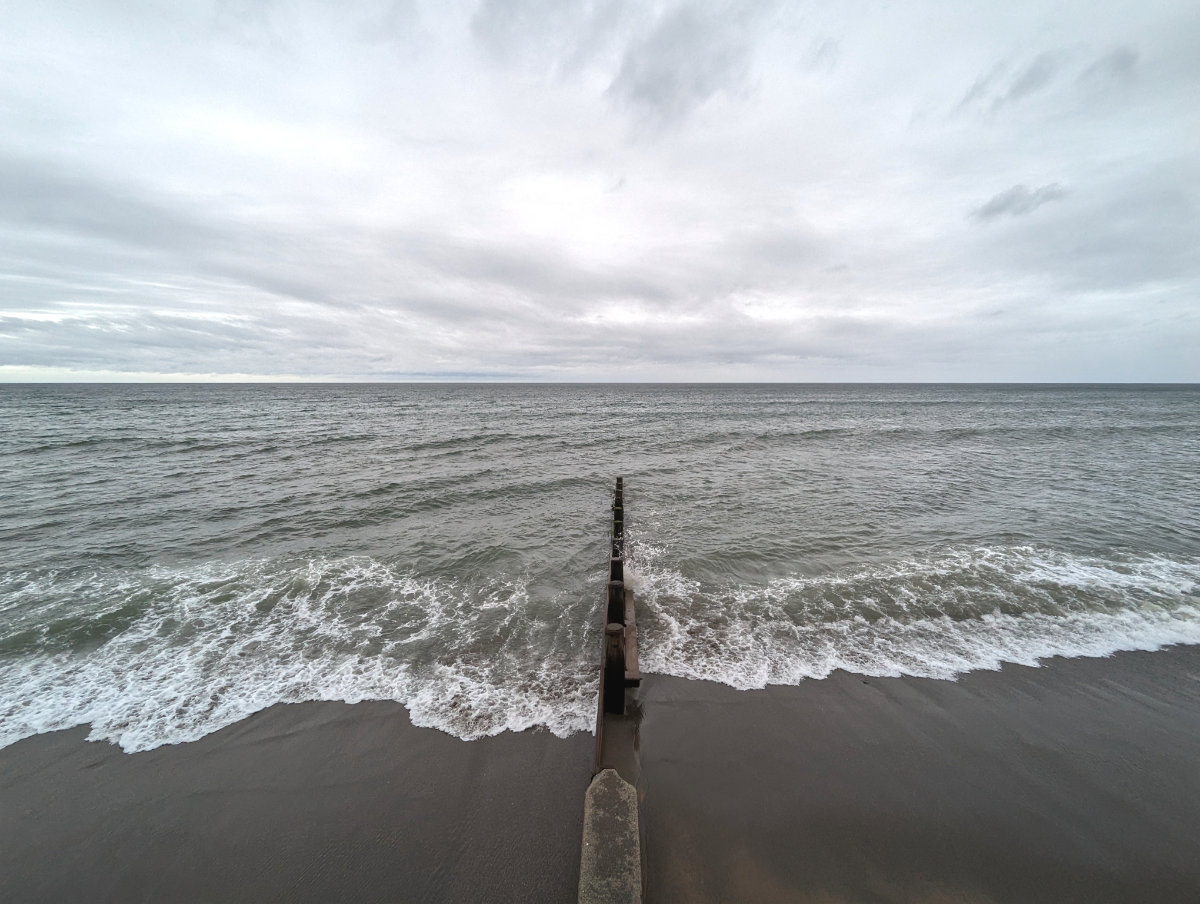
[[163, 656], [933, 617], [214, 644]]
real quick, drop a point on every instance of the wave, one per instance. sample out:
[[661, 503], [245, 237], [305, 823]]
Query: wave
[[166, 656], [934, 617]]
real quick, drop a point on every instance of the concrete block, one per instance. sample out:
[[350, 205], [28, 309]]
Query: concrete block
[[610, 863]]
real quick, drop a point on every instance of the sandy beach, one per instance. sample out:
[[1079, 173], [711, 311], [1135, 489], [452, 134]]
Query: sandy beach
[[1076, 781], [311, 802]]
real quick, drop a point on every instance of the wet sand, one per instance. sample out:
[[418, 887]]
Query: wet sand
[[315, 802], [1077, 781]]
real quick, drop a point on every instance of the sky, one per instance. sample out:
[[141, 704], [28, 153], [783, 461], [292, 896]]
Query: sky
[[600, 191]]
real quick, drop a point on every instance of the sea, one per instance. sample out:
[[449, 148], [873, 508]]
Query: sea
[[175, 558]]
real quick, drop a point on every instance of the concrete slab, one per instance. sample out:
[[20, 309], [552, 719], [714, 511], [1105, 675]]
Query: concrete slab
[[610, 862]]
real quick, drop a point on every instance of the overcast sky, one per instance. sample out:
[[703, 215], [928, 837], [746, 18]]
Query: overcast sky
[[538, 190]]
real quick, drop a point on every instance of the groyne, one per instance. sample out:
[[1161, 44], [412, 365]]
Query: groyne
[[610, 862]]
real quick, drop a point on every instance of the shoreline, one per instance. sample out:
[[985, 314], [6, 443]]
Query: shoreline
[[1072, 781]]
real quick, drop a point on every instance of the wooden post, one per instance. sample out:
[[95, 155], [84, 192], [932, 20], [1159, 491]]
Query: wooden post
[[616, 569], [616, 603], [614, 668]]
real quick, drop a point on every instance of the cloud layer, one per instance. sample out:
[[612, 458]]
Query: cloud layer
[[600, 190]]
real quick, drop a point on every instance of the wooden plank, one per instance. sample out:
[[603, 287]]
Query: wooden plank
[[633, 675], [598, 764]]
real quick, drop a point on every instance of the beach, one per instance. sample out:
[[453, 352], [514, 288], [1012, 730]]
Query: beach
[[1075, 781], [307, 802]]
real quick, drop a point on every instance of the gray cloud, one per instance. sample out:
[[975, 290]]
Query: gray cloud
[[1118, 64], [41, 196], [1136, 234], [1001, 86], [597, 190], [1033, 77], [983, 87], [691, 54], [551, 36], [1017, 201]]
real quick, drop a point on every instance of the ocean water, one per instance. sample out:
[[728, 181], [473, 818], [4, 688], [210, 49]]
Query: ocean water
[[175, 558]]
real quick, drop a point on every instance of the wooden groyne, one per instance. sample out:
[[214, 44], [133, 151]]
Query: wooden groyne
[[610, 862], [619, 652]]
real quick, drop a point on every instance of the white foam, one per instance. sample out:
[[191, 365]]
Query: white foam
[[219, 643], [205, 647], [938, 617]]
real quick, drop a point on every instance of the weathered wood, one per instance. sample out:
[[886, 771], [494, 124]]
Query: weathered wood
[[618, 658], [616, 603], [633, 674], [600, 708], [614, 668]]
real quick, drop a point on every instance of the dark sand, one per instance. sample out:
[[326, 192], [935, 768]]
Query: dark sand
[[1075, 782], [1078, 781], [318, 802]]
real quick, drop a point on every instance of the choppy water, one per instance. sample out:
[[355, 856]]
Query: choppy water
[[174, 558]]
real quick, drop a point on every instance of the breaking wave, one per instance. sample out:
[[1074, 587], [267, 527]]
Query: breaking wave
[[165, 656], [934, 617]]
